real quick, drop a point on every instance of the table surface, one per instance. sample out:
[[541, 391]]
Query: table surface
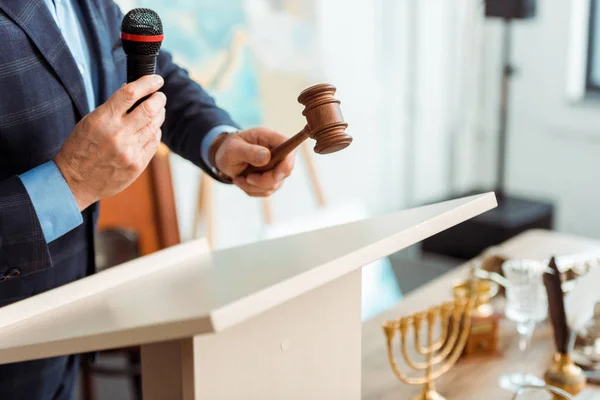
[[475, 378]]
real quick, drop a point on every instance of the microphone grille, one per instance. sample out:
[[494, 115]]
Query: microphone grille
[[139, 23], [142, 21]]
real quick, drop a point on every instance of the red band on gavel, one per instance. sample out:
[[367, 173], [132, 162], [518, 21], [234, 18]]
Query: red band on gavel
[[142, 38]]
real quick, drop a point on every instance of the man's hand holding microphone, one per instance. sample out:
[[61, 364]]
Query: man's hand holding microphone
[[109, 149]]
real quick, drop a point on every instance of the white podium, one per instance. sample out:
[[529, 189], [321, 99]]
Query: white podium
[[278, 319]]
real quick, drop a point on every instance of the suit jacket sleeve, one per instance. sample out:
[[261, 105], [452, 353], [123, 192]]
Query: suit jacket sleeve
[[191, 111], [22, 243]]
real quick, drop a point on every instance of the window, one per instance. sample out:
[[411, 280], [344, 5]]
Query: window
[[593, 56], [583, 55]]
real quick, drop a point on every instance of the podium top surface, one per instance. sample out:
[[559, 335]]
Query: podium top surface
[[187, 290]]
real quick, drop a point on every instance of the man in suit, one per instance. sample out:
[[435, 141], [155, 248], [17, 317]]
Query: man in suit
[[66, 142]]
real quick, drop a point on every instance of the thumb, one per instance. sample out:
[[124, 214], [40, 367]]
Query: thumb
[[252, 154]]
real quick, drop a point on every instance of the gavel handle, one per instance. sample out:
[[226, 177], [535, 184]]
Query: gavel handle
[[280, 152]]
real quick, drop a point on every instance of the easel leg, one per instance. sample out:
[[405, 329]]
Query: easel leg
[[312, 174], [205, 209], [267, 210], [314, 180]]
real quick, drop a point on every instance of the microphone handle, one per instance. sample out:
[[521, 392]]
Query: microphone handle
[[138, 66]]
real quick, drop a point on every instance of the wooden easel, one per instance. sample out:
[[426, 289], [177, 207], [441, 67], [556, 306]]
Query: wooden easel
[[205, 204], [147, 207]]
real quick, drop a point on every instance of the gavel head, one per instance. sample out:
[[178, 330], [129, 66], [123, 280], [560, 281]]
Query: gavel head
[[325, 121]]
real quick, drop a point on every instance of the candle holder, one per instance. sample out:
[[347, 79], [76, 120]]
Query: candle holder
[[440, 355], [564, 374]]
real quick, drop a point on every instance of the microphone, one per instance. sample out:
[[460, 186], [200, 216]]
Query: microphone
[[141, 37]]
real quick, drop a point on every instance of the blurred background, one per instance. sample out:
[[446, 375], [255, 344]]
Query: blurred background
[[421, 86]]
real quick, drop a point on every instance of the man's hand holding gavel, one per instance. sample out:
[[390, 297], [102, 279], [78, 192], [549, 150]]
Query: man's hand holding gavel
[[109, 148], [266, 157], [233, 153]]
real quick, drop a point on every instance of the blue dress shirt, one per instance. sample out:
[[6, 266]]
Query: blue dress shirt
[[50, 194]]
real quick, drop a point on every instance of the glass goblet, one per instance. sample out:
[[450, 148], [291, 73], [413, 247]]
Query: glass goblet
[[526, 305], [534, 392]]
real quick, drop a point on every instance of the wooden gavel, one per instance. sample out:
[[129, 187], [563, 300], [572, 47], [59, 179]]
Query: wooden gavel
[[325, 124]]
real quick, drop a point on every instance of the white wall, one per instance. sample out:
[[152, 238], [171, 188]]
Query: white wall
[[554, 146]]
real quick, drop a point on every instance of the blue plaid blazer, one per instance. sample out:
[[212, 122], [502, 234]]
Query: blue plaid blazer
[[42, 97]]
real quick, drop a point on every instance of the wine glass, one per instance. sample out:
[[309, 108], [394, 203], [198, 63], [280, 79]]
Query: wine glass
[[546, 392], [526, 305]]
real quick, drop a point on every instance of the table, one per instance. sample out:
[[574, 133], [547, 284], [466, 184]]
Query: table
[[470, 379]]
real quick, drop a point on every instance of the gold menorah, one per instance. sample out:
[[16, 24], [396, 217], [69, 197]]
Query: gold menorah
[[454, 322]]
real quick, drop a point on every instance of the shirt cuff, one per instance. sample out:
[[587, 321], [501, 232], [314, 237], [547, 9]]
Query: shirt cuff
[[210, 137], [52, 200]]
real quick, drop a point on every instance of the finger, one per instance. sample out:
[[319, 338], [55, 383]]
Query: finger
[[258, 192], [241, 182], [284, 168], [148, 132], [272, 139], [149, 149], [242, 152], [261, 194], [269, 178], [152, 145], [254, 154], [124, 98], [263, 180], [264, 136], [147, 112]]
